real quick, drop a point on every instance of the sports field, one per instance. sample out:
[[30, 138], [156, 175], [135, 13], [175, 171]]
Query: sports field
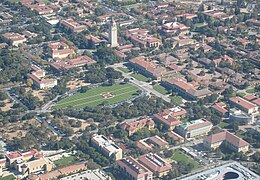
[[99, 96]]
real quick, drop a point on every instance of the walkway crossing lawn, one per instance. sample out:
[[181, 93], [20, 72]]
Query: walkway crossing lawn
[[160, 89], [180, 156], [250, 91], [125, 70], [176, 100], [93, 97], [140, 77]]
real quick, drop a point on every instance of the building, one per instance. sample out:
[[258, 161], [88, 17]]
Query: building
[[28, 162], [113, 34], [73, 63], [175, 136], [156, 164], [133, 169], [73, 25], [216, 14], [59, 50], [185, 89], [148, 68], [219, 108], [170, 118], [232, 141], [14, 38], [38, 79], [106, 147], [133, 125], [65, 171], [151, 143], [236, 115], [175, 28], [194, 128], [141, 37], [182, 41], [253, 99], [88, 174], [223, 171], [244, 105], [40, 7]]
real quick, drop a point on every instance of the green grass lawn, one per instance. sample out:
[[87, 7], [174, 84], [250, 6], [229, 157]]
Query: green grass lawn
[[241, 94], [160, 89], [65, 161], [223, 124], [140, 77], [198, 25], [92, 97], [180, 156], [176, 99], [252, 90], [172, 75], [9, 177], [125, 70]]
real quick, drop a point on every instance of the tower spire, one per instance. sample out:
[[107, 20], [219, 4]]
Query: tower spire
[[113, 33]]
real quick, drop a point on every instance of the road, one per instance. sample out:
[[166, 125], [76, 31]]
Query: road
[[140, 84]]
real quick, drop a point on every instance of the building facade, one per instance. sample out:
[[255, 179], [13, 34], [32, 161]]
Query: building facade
[[107, 147], [133, 169], [194, 128], [232, 141], [113, 34]]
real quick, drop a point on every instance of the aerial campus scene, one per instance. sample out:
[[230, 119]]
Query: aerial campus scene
[[129, 89]]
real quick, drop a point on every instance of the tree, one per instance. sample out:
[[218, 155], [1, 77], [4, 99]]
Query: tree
[[29, 82]]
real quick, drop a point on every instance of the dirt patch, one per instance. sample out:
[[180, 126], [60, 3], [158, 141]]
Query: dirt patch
[[40, 94], [75, 84], [7, 106]]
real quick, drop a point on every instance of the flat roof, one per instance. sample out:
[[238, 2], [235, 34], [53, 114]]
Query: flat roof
[[222, 171]]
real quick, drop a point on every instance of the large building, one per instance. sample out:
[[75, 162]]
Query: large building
[[61, 172], [142, 37], [170, 118], [232, 141], [107, 147], [220, 109], [134, 170], [194, 128], [226, 171], [175, 28], [113, 34], [27, 163], [38, 79], [148, 67], [156, 164], [59, 50], [244, 105], [152, 143], [185, 89], [73, 63], [133, 125], [73, 25], [14, 38]]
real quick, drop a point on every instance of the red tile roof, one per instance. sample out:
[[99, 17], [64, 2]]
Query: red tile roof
[[13, 155], [242, 102], [226, 136], [155, 163], [133, 167]]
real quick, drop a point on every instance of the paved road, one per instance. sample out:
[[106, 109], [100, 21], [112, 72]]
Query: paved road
[[142, 85]]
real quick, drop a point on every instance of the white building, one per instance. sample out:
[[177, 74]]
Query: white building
[[113, 34], [106, 147]]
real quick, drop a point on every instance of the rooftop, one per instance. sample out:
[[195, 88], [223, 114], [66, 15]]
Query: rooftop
[[227, 136]]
